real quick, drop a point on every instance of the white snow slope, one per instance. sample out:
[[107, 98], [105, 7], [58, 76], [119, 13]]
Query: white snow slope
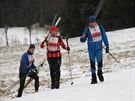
[[119, 77], [118, 86]]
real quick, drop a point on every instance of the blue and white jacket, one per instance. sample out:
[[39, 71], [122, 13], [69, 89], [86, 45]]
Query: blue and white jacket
[[94, 37], [27, 63]]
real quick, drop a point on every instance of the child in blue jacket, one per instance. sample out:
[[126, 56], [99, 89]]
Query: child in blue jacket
[[27, 67], [95, 34]]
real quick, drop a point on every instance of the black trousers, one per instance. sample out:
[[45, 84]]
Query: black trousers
[[93, 67], [55, 64], [22, 82]]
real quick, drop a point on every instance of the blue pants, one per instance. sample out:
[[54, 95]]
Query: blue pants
[[96, 56]]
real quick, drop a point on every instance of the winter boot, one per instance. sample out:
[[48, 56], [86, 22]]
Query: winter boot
[[52, 86], [57, 82], [100, 75], [36, 91], [94, 79], [57, 85], [52, 83]]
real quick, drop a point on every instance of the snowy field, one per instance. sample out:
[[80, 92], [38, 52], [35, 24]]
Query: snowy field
[[118, 86], [119, 77]]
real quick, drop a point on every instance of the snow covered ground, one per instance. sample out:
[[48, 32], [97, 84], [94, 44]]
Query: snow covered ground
[[118, 86], [119, 77]]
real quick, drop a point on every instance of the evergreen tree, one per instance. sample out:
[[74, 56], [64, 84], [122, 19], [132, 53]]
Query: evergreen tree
[[115, 14]]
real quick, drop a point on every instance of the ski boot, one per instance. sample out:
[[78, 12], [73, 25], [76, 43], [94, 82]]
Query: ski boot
[[57, 85], [100, 75], [52, 83], [94, 79]]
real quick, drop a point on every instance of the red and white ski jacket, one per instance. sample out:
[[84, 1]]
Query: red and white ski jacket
[[53, 47]]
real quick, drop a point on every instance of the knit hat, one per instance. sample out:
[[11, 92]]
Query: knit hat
[[92, 19], [54, 28], [31, 46]]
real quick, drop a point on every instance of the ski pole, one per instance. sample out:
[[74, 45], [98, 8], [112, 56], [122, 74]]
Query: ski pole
[[69, 61], [112, 55], [10, 87], [14, 84]]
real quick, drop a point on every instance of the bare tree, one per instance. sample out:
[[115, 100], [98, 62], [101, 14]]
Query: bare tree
[[6, 30], [29, 29], [0, 13]]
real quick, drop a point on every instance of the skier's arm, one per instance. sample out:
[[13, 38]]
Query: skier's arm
[[62, 43], [33, 66], [42, 45], [25, 62], [84, 35], [104, 36]]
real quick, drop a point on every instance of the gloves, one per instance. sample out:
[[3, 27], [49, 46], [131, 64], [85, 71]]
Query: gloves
[[45, 41], [107, 49], [34, 71], [81, 39], [68, 48], [42, 64], [42, 42], [42, 45]]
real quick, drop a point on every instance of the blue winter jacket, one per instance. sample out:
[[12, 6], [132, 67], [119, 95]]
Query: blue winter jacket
[[94, 46], [24, 64]]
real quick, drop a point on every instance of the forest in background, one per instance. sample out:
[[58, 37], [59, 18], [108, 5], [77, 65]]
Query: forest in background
[[115, 14]]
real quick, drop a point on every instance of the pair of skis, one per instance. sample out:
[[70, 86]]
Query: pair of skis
[[100, 5], [96, 14], [31, 79], [53, 24], [17, 82]]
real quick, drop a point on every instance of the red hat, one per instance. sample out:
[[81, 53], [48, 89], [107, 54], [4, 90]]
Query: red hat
[[54, 28]]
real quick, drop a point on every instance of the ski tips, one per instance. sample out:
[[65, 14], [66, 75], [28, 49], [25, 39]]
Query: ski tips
[[57, 21]]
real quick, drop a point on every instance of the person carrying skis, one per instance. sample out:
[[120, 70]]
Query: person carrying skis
[[27, 67], [54, 55], [95, 34]]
